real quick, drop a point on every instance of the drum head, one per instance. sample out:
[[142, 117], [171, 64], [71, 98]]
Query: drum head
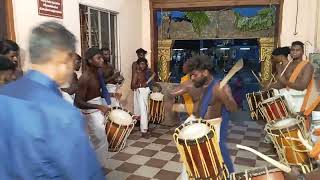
[[194, 131], [285, 123], [156, 96], [271, 99], [120, 117]]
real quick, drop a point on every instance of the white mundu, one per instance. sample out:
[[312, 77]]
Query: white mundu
[[112, 88], [96, 127], [141, 107], [293, 97]]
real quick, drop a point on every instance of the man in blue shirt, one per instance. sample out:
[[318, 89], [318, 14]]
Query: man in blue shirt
[[42, 136]]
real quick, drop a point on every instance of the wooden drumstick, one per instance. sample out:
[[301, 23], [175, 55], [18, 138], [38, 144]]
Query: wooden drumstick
[[152, 77], [304, 142], [266, 158], [254, 74], [284, 70], [232, 72]]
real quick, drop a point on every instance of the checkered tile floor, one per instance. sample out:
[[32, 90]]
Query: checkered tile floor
[[157, 157]]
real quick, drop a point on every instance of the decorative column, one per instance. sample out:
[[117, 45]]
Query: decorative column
[[164, 58], [266, 48]]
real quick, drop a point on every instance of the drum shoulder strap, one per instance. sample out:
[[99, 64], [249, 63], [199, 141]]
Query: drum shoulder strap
[[297, 71], [206, 98]]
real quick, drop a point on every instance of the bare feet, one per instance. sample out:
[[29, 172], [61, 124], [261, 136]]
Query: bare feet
[[145, 135]]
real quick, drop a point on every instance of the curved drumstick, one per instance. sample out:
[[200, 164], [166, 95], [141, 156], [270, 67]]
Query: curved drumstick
[[304, 142], [151, 77], [254, 74], [232, 72], [266, 158]]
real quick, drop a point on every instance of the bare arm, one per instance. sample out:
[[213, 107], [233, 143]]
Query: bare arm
[[226, 97], [301, 83], [73, 87], [109, 74], [80, 99], [182, 88]]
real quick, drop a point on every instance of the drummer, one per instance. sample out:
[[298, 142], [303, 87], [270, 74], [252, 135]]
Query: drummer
[[279, 62], [294, 80], [213, 102], [111, 77], [140, 85], [88, 99]]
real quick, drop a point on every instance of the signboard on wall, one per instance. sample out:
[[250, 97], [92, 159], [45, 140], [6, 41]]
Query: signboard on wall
[[50, 8]]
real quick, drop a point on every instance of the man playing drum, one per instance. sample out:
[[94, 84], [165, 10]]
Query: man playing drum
[[111, 77], [214, 102], [139, 84], [88, 98], [295, 81]]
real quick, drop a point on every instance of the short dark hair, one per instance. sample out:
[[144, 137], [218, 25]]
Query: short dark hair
[[140, 50], [281, 51], [105, 49], [91, 52], [200, 63], [47, 37], [7, 45], [298, 43], [140, 60], [77, 56], [6, 64]]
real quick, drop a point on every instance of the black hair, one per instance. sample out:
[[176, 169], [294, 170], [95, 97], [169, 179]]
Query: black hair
[[140, 50], [140, 60], [91, 52], [77, 56], [200, 63], [6, 64], [105, 49], [298, 43], [281, 51], [7, 45]]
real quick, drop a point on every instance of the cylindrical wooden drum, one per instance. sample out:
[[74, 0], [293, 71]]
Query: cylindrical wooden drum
[[284, 135], [119, 124], [199, 149], [274, 108], [253, 101], [156, 108], [264, 173]]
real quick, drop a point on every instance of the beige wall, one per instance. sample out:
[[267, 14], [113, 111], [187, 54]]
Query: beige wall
[[130, 28], [306, 27]]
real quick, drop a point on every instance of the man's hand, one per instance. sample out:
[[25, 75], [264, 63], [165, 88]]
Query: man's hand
[[281, 79], [104, 109], [118, 95]]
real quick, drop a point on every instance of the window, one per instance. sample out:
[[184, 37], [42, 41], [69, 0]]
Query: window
[[99, 29]]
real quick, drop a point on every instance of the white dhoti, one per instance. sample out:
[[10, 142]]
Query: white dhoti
[[112, 88], [293, 98], [96, 129], [69, 98], [141, 107]]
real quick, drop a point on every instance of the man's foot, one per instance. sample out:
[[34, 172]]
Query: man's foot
[[145, 135]]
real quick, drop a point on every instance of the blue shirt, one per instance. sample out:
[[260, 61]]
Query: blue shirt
[[42, 136]]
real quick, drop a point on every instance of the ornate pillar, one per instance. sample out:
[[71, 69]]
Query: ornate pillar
[[266, 48], [164, 58]]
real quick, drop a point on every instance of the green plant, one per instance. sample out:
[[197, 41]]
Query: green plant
[[265, 19], [199, 20]]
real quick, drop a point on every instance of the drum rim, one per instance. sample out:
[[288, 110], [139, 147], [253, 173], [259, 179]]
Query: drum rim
[[272, 98], [123, 109], [271, 126], [242, 174], [202, 139]]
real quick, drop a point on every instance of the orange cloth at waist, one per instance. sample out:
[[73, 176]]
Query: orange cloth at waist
[[187, 98]]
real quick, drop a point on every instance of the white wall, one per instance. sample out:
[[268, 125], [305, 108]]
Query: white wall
[[306, 27], [130, 28]]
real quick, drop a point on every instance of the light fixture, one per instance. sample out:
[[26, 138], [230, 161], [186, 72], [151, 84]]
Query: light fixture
[[245, 49], [224, 48]]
